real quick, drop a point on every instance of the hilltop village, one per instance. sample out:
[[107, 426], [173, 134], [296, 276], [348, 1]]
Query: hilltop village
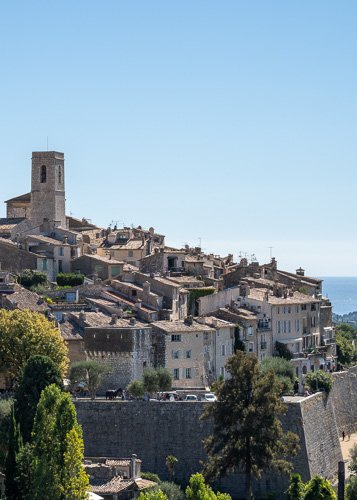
[[146, 304], [142, 304]]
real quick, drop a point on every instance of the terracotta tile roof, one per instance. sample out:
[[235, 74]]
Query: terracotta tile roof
[[70, 330], [129, 245], [25, 299], [118, 484], [297, 298], [181, 327], [98, 319], [23, 197], [100, 258], [6, 224], [45, 239]]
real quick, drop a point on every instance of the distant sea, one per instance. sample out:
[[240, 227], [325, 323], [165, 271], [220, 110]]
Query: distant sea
[[342, 291]]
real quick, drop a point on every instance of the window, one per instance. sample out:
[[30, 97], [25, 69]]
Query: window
[[176, 373], [278, 310], [249, 330], [130, 253], [43, 175], [223, 350], [303, 307], [289, 326], [297, 309], [250, 346], [284, 310], [176, 338], [289, 309], [188, 354], [61, 251], [44, 265], [278, 326], [175, 354], [313, 307], [59, 176], [297, 325], [188, 372], [60, 268]]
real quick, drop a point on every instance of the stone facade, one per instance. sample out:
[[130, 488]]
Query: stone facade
[[154, 430], [48, 188]]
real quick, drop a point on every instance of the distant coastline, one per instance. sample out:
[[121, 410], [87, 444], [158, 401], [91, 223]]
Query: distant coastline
[[342, 291]]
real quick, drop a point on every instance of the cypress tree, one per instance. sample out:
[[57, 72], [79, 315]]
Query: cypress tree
[[15, 445]]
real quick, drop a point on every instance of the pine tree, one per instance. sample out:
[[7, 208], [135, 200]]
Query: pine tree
[[247, 433], [40, 371], [296, 488], [57, 449], [15, 444], [75, 480], [319, 488]]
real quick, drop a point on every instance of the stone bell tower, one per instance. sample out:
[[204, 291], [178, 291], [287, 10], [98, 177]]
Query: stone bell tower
[[47, 188]]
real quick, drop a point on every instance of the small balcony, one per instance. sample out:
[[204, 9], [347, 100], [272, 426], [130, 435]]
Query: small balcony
[[263, 325]]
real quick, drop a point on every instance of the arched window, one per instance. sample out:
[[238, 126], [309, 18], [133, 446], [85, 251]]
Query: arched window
[[43, 176], [59, 176]]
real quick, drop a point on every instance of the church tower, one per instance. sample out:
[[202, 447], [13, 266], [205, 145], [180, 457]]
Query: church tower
[[47, 188]]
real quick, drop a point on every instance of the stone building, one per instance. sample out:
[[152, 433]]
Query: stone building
[[163, 260], [123, 345], [97, 266], [186, 349]]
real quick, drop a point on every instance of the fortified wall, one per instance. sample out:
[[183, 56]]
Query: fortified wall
[[154, 430]]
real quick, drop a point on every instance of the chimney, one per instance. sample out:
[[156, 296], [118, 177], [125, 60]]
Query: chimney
[[132, 321], [114, 319], [300, 271], [82, 316], [146, 287], [189, 320], [65, 240], [138, 303], [133, 466]]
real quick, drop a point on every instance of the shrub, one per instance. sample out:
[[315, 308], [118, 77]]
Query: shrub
[[172, 491], [69, 279], [150, 476], [282, 351], [319, 380], [283, 369], [30, 277]]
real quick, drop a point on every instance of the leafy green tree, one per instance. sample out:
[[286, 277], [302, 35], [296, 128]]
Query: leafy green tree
[[172, 491], [164, 379], [24, 471], [57, 449], [282, 351], [258, 443], [150, 380], [171, 462], [319, 488], [40, 371], [24, 334], [69, 279], [319, 380], [345, 350], [5, 415], [347, 331], [75, 480], [282, 368], [351, 490], [136, 389], [153, 495], [296, 488], [88, 373], [29, 278], [15, 444], [198, 490]]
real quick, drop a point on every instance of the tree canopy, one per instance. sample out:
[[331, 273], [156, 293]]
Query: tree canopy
[[199, 490], [40, 371], [88, 373], [252, 398], [24, 334]]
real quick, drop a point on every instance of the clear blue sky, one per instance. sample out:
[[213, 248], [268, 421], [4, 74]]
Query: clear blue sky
[[231, 121]]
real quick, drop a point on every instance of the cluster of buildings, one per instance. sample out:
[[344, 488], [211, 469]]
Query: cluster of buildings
[[145, 304]]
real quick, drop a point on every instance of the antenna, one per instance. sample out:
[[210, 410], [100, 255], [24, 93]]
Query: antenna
[[47, 143], [199, 241], [271, 252]]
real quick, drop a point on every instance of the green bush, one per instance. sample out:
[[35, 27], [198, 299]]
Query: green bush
[[69, 279], [319, 380], [150, 476], [172, 491], [29, 278], [282, 351], [283, 369]]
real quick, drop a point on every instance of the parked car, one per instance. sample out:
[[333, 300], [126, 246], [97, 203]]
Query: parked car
[[191, 397], [209, 396]]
